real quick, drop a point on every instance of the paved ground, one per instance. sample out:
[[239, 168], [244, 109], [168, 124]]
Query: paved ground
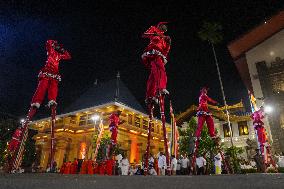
[[54, 181]]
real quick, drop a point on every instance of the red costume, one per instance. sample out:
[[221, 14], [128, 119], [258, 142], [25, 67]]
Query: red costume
[[49, 74], [113, 127], [90, 167], [258, 124], [14, 143], [204, 114], [109, 166], [84, 167], [155, 58]]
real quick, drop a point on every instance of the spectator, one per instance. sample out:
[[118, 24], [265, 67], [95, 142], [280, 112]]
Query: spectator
[[152, 170], [132, 170], [184, 165], [162, 164], [174, 165], [218, 164], [178, 171], [139, 171], [200, 163], [124, 166]]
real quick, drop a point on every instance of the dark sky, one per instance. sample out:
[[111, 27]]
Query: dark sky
[[104, 37]]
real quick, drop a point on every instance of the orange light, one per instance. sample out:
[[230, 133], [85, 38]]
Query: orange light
[[132, 131], [79, 131]]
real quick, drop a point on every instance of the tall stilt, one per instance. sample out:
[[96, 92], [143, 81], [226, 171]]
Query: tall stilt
[[98, 143], [163, 117], [150, 111], [53, 115], [16, 158], [195, 151]]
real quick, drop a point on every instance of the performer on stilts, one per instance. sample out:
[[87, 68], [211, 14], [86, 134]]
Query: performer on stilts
[[264, 146], [204, 115], [49, 78], [155, 59], [113, 127]]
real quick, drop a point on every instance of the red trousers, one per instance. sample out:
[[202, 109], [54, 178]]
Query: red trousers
[[210, 125], [114, 135], [13, 145], [45, 84], [157, 80], [261, 137]]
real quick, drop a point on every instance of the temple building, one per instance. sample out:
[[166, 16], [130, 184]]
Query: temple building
[[241, 124], [259, 58], [74, 128]]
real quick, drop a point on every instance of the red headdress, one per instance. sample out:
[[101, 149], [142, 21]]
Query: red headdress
[[204, 89]]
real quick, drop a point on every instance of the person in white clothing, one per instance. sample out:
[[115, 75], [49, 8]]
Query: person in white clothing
[[124, 166], [218, 164], [162, 164], [118, 158], [184, 165], [152, 170], [200, 163], [174, 165]]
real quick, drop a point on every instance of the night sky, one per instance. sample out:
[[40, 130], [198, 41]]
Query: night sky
[[105, 37]]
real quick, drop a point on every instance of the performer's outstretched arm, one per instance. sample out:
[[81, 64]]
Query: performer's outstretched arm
[[211, 100], [65, 55]]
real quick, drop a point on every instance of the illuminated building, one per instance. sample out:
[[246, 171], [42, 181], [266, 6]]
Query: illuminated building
[[259, 58]]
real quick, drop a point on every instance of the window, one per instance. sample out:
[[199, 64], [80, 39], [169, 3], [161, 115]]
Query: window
[[83, 120], [226, 130], [145, 124], [137, 121], [73, 120], [89, 119], [243, 128], [130, 119]]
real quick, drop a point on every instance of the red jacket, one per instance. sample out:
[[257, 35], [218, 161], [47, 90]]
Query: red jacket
[[159, 43], [203, 102], [114, 119], [53, 58], [257, 116]]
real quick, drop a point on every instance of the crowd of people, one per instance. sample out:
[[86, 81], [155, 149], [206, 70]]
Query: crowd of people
[[181, 165]]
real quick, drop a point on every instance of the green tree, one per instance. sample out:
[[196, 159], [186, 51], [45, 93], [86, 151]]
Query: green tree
[[105, 142], [233, 154]]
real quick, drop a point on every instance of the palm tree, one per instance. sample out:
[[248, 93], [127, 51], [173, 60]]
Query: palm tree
[[211, 32]]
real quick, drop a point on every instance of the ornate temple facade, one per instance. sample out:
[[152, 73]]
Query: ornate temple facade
[[241, 123], [259, 58], [75, 128]]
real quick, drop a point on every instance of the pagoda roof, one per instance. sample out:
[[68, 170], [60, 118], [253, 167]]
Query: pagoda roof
[[104, 93]]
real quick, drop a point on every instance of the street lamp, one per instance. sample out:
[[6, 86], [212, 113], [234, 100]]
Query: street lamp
[[22, 121], [268, 109]]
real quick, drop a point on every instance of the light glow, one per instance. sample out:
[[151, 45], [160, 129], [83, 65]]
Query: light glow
[[268, 109]]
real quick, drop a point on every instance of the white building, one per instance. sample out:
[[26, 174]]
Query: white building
[[259, 58]]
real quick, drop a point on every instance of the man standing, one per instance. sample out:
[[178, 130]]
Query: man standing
[[124, 166], [155, 59], [200, 163], [152, 171], [218, 164], [184, 165], [162, 163], [174, 165]]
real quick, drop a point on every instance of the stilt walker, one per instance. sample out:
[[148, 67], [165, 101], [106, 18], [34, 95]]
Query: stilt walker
[[263, 143], [204, 115], [155, 58], [48, 82], [113, 127]]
